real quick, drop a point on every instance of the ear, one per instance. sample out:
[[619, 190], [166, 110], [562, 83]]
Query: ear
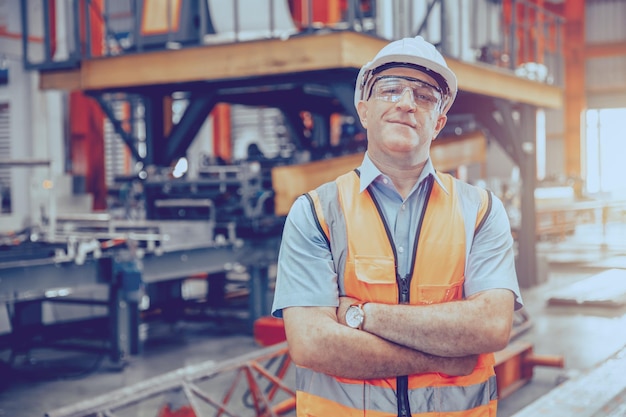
[[361, 109], [441, 122]]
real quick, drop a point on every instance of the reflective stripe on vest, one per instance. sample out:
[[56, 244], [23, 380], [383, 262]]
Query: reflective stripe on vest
[[365, 263], [445, 399]]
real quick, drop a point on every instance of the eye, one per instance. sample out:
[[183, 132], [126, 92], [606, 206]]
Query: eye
[[425, 97], [390, 89]]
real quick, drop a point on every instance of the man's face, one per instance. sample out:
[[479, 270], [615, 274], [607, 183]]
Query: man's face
[[398, 116]]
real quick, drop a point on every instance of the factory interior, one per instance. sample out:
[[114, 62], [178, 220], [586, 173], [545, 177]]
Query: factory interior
[[150, 152]]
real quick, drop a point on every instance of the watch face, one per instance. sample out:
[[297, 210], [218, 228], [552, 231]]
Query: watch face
[[354, 317]]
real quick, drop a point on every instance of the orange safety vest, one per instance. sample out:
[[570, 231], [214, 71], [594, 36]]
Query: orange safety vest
[[365, 262]]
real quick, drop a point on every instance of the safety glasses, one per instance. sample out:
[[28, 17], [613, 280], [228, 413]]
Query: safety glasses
[[391, 88]]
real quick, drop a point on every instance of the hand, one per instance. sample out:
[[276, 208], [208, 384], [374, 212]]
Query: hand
[[344, 303], [459, 366]]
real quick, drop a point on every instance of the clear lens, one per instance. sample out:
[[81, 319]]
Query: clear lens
[[392, 88]]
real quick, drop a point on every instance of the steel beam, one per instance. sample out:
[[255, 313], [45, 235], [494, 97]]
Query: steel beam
[[126, 137], [155, 137], [184, 132], [527, 238], [513, 126]]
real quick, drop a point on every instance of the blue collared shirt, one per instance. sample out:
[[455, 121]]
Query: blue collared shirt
[[306, 275]]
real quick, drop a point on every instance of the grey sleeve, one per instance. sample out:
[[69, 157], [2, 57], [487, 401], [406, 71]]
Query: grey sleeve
[[491, 260], [305, 273]]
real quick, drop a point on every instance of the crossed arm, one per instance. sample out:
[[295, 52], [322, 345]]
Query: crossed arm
[[482, 323], [317, 340], [400, 339]]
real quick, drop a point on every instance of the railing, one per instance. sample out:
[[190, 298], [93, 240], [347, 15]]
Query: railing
[[535, 42], [515, 34], [257, 384]]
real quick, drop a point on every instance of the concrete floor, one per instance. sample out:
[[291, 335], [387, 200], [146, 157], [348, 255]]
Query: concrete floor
[[584, 336]]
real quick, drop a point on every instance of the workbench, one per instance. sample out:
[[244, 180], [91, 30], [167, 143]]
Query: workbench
[[26, 285]]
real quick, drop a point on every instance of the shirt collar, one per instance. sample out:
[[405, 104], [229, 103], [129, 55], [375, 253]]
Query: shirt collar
[[369, 172]]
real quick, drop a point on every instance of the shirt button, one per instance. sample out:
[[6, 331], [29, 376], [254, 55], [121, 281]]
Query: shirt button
[[401, 249], [403, 207], [385, 181]]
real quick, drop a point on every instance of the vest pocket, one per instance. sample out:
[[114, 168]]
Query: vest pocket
[[375, 269], [433, 294]]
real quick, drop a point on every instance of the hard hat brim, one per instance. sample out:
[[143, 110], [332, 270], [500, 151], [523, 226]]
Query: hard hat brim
[[428, 64]]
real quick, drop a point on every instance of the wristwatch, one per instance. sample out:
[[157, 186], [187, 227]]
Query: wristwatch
[[355, 316]]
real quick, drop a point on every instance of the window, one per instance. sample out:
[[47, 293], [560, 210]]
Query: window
[[604, 160]]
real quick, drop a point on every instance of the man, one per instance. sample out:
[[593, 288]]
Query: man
[[397, 282]]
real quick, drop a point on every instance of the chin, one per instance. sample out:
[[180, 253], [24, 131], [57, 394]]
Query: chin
[[404, 141], [403, 149]]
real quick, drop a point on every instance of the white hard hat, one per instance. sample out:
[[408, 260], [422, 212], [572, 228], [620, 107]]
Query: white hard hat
[[412, 52]]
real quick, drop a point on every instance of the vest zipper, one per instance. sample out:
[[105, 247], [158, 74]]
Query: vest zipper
[[403, 293], [402, 385], [402, 382], [404, 283]]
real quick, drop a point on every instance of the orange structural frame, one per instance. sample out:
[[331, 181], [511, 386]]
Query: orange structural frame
[[86, 120], [87, 146], [575, 94], [222, 141]]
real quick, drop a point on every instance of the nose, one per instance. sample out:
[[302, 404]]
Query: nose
[[407, 101]]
